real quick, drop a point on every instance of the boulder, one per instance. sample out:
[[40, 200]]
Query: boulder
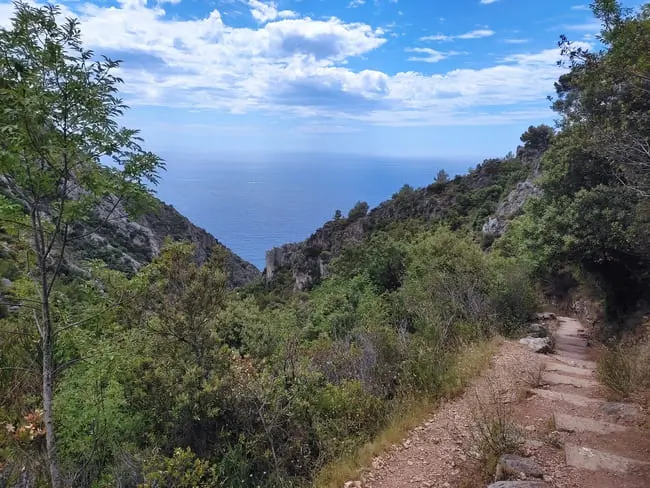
[[512, 466], [537, 330], [541, 345]]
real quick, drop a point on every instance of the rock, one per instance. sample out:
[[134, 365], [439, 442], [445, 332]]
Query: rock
[[621, 411], [565, 368], [537, 330], [541, 345], [560, 379], [352, 484], [594, 460], [510, 466], [571, 423], [546, 316], [519, 484], [577, 400], [5, 283], [509, 208], [126, 242], [533, 444]]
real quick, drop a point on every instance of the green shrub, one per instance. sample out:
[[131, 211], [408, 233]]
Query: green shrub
[[514, 297], [182, 470], [345, 416], [359, 210]]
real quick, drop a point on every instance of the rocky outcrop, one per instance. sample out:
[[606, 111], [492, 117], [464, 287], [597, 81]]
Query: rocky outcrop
[[510, 208], [127, 243], [308, 260]]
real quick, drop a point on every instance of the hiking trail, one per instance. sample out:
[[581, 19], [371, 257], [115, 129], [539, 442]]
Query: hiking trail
[[574, 437]]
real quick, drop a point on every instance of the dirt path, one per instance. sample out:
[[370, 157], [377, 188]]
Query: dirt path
[[573, 434]]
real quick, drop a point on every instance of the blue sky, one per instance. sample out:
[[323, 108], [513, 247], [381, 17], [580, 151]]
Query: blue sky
[[396, 77]]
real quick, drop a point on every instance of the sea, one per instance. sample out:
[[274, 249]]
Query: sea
[[252, 203]]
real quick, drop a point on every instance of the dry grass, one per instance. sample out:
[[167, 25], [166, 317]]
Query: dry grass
[[625, 371], [469, 363], [533, 376], [494, 430]]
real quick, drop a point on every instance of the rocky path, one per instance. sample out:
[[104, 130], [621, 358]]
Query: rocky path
[[574, 437]]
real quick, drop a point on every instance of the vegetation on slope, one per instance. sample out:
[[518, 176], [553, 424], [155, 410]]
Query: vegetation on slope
[[170, 378]]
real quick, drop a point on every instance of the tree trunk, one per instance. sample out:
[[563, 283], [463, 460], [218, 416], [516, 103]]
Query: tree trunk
[[46, 332], [48, 394]]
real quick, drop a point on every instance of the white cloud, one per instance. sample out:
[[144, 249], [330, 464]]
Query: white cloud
[[300, 67], [475, 34], [592, 26], [264, 12], [432, 56], [356, 3], [516, 41], [488, 2]]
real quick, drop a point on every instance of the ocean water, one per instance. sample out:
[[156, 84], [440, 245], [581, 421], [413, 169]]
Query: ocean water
[[253, 203]]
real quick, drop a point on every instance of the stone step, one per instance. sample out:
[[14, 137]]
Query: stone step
[[560, 379], [519, 484], [594, 460], [577, 400], [565, 368], [571, 423], [622, 411], [578, 363]]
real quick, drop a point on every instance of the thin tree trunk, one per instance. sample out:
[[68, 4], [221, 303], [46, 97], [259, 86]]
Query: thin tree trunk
[[47, 351], [48, 397]]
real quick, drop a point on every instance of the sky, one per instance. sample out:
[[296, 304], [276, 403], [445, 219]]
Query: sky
[[441, 78]]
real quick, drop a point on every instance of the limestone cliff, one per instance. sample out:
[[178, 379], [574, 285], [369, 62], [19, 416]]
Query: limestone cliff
[[509, 208], [127, 243]]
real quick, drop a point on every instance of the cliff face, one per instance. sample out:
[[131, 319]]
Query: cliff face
[[495, 188], [126, 243], [509, 208]]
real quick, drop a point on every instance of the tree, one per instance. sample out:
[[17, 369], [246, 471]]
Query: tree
[[359, 210], [537, 138], [595, 178], [606, 93], [338, 215], [442, 177], [58, 117]]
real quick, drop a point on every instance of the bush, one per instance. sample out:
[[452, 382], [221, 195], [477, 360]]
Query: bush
[[359, 210], [446, 289], [514, 297], [182, 470], [625, 370], [345, 417]]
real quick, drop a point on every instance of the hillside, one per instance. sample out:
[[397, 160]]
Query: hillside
[[126, 243], [480, 202]]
